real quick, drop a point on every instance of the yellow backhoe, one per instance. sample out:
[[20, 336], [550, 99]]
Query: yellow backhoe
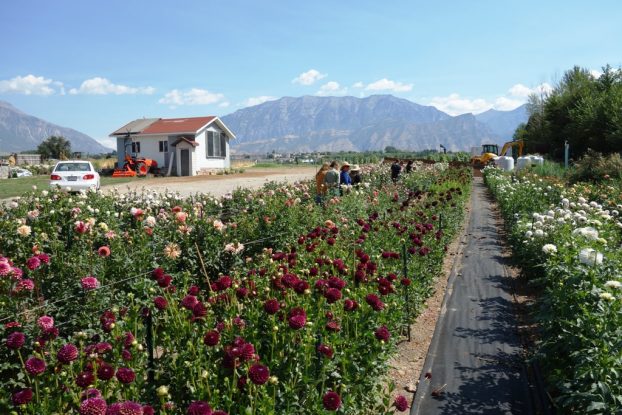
[[491, 151]]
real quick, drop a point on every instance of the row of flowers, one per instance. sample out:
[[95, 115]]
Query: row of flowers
[[570, 246], [141, 304]]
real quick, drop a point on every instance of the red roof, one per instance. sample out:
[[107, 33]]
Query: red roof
[[177, 125]]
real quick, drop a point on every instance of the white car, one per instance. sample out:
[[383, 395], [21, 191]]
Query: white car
[[19, 172], [74, 176]]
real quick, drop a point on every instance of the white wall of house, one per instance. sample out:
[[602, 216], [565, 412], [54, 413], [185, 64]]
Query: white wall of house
[[204, 162]]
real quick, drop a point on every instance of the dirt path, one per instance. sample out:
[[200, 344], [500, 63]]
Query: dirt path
[[475, 363], [217, 185]]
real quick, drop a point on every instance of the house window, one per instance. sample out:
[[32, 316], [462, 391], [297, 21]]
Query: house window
[[216, 144], [163, 146], [136, 147]]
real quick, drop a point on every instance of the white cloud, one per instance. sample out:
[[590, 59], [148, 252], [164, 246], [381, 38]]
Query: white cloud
[[454, 104], [522, 91], [507, 104], [332, 88], [194, 96], [358, 84], [224, 104], [28, 85], [252, 101], [385, 84], [110, 142], [596, 73], [102, 86], [309, 77]]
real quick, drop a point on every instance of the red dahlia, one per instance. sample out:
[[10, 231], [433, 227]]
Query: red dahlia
[[211, 338], [199, 408], [105, 371], [332, 295], [259, 374], [160, 303], [21, 396], [331, 401], [382, 333], [85, 379]]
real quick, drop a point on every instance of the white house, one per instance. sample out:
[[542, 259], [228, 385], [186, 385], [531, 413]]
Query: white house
[[181, 146]]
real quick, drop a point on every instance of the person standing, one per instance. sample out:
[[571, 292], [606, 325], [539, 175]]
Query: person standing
[[355, 175], [344, 178], [331, 179], [319, 183], [409, 166], [396, 169]]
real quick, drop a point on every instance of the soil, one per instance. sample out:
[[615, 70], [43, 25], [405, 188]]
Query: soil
[[406, 366], [217, 185]]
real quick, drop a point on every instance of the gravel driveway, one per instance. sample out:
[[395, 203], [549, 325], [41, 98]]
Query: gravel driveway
[[217, 185]]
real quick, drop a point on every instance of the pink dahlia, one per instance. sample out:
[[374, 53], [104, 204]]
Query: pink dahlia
[[15, 340], [126, 375], [24, 285], [331, 401], [89, 283], [44, 258], [400, 403], [103, 251], [93, 406], [67, 354], [35, 366], [33, 263], [259, 374], [21, 397], [45, 322]]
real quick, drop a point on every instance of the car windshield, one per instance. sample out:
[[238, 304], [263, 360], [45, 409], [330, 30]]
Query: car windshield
[[73, 167]]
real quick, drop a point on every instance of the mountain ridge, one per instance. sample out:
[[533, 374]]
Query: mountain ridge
[[20, 131]]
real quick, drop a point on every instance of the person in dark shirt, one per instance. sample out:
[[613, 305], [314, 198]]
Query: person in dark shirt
[[409, 166], [355, 175], [396, 169]]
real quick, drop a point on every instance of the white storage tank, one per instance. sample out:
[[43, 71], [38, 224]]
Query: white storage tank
[[537, 160], [522, 162], [505, 163]]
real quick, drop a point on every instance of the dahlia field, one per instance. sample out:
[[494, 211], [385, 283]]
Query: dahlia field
[[567, 239], [260, 302]]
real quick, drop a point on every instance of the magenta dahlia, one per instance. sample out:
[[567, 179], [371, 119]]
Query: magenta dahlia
[[67, 354], [93, 406], [331, 401], [271, 306], [126, 375], [85, 379], [21, 397], [189, 301], [33, 263], [350, 305], [400, 403], [89, 283], [325, 350], [15, 340], [259, 374], [45, 322], [374, 302], [333, 326], [105, 371], [199, 408], [35, 366]]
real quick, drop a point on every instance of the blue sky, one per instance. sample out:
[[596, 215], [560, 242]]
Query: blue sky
[[94, 66]]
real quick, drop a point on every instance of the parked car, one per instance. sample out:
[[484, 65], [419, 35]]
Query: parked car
[[19, 172], [74, 176]]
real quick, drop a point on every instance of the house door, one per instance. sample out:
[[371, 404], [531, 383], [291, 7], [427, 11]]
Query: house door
[[167, 157], [185, 162]]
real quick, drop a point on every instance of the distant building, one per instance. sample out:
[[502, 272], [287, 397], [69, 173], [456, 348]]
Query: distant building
[[183, 146]]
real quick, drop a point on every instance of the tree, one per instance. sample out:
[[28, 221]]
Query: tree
[[54, 147], [391, 149]]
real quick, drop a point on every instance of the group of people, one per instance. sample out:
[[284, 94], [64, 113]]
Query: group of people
[[331, 179], [396, 169]]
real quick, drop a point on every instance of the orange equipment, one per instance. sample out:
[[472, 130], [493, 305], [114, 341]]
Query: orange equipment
[[135, 166]]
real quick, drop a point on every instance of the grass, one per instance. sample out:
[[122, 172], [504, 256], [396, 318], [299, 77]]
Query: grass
[[19, 186]]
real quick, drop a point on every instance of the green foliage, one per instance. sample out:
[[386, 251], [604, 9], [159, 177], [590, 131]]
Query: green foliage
[[583, 110], [595, 167], [55, 147]]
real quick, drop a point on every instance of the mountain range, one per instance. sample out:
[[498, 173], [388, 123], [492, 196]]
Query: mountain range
[[309, 124], [22, 132], [312, 123]]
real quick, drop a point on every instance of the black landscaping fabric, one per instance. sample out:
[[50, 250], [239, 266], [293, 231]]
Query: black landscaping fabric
[[475, 363]]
